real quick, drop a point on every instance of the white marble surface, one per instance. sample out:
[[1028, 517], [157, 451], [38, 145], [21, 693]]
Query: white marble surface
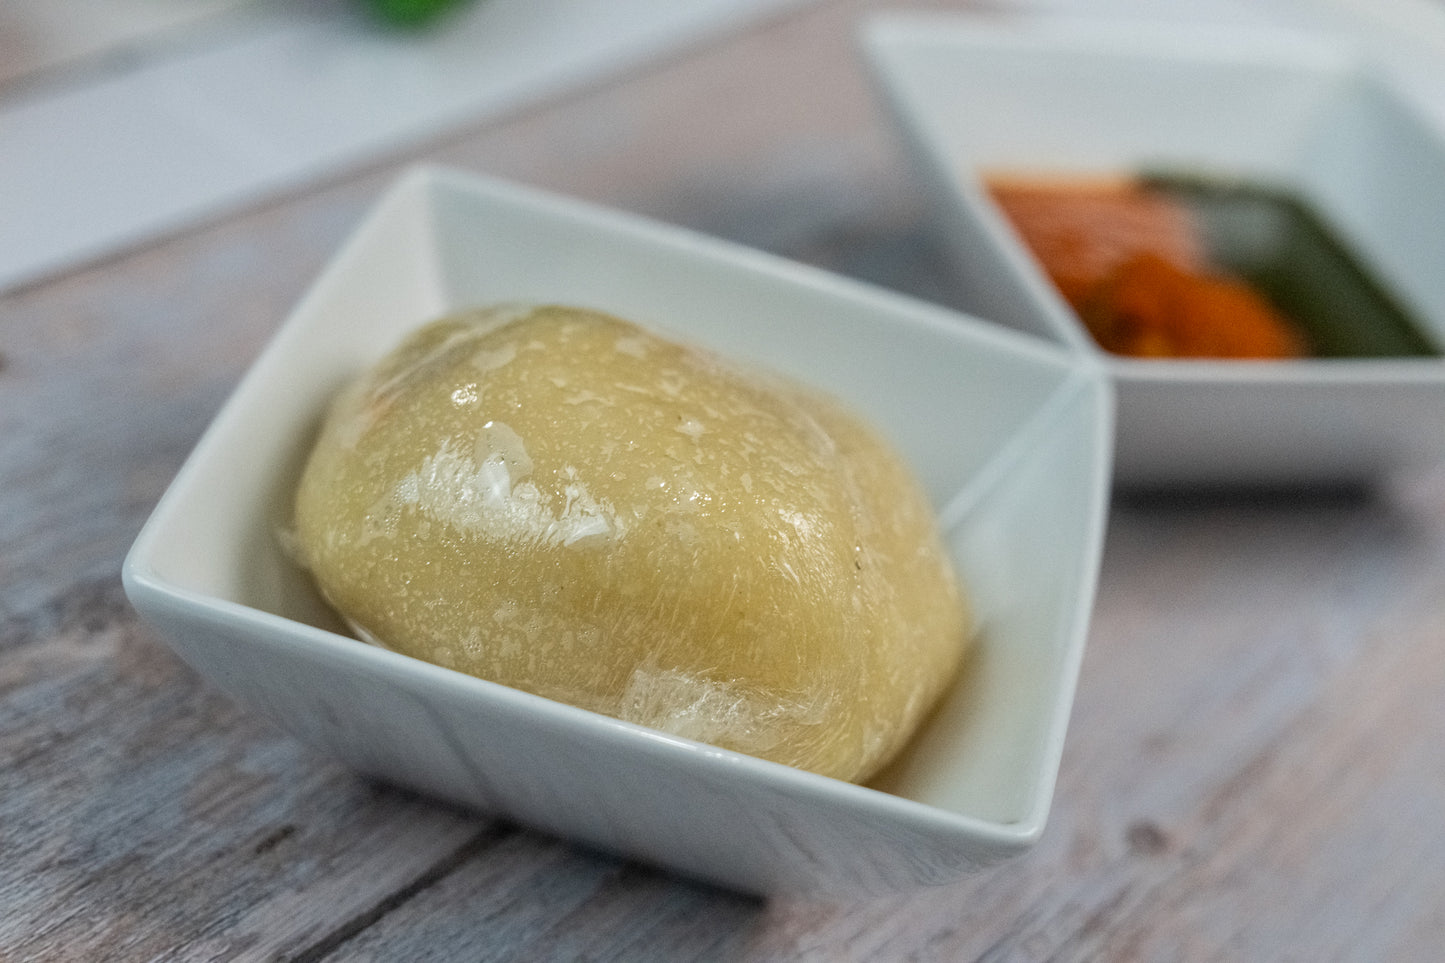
[[164, 135]]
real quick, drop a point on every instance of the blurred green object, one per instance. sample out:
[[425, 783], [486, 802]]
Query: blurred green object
[[411, 13]]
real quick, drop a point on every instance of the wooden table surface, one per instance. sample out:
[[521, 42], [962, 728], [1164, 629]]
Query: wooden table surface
[[1255, 767]]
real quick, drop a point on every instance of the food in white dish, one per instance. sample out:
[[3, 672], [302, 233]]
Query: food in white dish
[[560, 501]]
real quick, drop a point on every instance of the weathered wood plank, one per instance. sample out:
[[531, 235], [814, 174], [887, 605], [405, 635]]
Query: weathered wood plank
[[110, 375], [1224, 796], [142, 814], [545, 900]]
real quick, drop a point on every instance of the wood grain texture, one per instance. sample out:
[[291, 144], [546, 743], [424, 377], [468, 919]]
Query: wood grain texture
[[1254, 769]]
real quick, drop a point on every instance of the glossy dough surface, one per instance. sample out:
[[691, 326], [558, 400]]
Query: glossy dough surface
[[559, 501]]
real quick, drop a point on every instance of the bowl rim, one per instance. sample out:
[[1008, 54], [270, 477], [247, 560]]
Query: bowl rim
[[143, 584]]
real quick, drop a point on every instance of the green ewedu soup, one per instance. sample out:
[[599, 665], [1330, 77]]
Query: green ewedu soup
[[1277, 243]]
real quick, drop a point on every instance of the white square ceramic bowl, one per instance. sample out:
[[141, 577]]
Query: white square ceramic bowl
[[1281, 107], [1010, 436]]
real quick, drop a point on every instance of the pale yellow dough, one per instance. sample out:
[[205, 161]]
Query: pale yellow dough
[[557, 500]]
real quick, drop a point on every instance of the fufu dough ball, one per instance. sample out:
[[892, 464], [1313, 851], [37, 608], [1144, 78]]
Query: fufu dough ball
[[559, 501]]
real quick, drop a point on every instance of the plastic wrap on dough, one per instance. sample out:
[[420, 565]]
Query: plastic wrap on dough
[[559, 501]]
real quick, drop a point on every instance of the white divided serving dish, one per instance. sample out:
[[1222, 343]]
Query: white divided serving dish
[[1281, 107], [1010, 436]]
